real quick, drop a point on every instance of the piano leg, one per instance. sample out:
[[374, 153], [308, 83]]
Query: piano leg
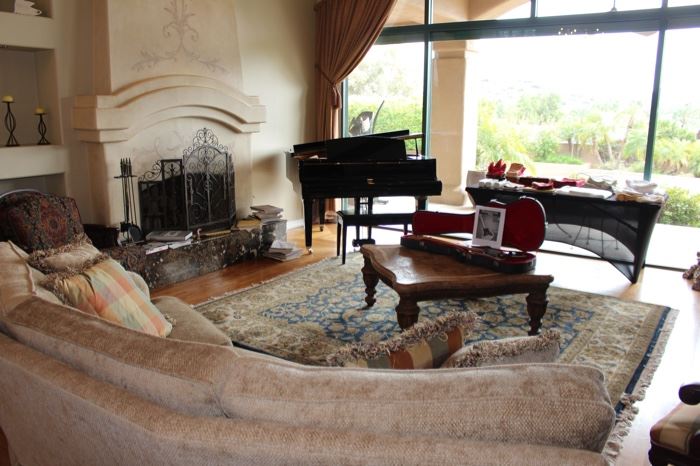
[[321, 212], [308, 222]]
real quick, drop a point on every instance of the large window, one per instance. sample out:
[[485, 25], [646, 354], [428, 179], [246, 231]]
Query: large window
[[563, 114], [385, 92], [602, 88]]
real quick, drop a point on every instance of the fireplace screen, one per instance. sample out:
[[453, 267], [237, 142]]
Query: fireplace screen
[[196, 191]]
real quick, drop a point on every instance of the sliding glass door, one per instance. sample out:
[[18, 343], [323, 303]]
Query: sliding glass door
[[603, 88]]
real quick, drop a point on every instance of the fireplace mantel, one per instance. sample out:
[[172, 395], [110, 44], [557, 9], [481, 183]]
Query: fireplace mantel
[[118, 117], [112, 123]]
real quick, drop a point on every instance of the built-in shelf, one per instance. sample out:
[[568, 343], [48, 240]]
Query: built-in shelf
[[28, 64], [32, 161], [35, 32]]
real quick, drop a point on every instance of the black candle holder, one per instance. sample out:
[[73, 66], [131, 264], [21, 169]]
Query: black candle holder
[[42, 131], [10, 124]]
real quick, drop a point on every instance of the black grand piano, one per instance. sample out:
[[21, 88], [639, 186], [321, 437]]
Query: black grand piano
[[363, 167]]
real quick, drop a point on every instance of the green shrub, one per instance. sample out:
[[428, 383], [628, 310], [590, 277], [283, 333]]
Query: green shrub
[[393, 115], [545, 148], [682, 208], [560, 158]]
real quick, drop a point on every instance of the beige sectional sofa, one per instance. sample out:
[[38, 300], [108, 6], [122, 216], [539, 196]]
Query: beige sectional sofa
[[78, 390]]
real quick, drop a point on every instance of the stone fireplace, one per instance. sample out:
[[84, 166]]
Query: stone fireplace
[[160, 76]]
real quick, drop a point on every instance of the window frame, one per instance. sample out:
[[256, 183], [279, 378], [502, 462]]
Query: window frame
[[655, 20]]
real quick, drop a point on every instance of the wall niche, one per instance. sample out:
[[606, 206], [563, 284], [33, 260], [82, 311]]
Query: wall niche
[[29, 76]]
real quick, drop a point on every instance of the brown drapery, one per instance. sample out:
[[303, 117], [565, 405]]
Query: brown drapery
[[345, 31]]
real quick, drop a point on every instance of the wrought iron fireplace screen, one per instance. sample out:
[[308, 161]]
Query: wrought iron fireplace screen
[[196, 191]]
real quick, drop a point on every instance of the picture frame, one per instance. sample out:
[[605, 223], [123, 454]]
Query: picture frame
[[488, 226]]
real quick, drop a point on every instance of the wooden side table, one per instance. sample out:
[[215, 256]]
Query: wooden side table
[[421, 276]]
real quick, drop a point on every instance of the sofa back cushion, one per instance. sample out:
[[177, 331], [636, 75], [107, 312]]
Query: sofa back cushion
[[550, 404], [19, 280], [40, 397], [177, 374]]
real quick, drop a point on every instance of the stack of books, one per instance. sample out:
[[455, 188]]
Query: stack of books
[[247, 223], [169, 235], [160, 240], [267, 213], [282, 251]]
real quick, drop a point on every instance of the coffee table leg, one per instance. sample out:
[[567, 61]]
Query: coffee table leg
[[370, 277], [407, 312], [536, 307]]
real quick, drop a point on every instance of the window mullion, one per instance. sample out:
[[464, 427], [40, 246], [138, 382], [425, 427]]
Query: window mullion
[[654, 109]]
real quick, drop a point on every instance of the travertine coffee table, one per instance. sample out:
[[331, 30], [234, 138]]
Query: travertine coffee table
[[421, 276]]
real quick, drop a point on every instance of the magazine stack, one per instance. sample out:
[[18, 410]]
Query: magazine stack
[[282, 251], [160, 240], [267, 213]]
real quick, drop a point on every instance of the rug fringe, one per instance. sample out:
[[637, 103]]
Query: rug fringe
[[625, 417]]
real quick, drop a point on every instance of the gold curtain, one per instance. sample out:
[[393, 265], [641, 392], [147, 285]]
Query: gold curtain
[[345, 31]]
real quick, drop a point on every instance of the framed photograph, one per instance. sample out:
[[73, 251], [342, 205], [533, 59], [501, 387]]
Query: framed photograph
[[488, 226]]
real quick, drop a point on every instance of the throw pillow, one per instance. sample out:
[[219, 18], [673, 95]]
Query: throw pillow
[[7, 201], [425, 345], [517, 350], [73, 257], [42, 222], [105, 289]]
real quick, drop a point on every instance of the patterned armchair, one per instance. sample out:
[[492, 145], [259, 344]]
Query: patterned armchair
[[675, 439], [35, 220]]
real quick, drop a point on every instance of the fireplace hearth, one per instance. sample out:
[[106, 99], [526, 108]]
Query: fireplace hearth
[[194, 192]]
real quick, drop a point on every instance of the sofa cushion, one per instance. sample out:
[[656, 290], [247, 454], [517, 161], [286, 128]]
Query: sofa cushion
[[105, 289], [550, 404], [188, 324], [19, 280], [40, 396], [42, 221], [425, 345], [180, 375], [516, 350]]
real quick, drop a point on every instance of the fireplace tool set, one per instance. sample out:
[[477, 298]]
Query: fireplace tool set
[[130, 230]]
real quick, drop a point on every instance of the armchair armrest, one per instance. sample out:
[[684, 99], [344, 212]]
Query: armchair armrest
[[690, 394]]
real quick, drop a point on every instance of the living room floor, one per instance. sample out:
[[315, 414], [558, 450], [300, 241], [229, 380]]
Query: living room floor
[[657, 286]]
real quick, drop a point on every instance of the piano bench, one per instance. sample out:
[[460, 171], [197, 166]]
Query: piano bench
[[349, 218]]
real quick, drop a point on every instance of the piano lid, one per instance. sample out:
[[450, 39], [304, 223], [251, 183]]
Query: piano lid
[[380, 146]]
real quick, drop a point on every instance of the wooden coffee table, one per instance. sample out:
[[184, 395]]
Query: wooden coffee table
[[421, 276]]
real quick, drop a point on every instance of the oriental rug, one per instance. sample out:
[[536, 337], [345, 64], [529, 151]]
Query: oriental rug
[[312, 312]]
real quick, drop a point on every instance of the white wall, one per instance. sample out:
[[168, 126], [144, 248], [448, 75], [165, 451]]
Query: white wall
[[277, 56], [59, 44], [276, 44]]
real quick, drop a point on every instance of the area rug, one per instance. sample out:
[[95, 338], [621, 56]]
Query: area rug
[[312, 312]]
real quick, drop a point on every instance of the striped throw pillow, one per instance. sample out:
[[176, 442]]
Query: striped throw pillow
[[105, 289], [425, 345]]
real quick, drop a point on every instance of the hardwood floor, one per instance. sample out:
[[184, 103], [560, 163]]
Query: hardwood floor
[[680, 363]]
